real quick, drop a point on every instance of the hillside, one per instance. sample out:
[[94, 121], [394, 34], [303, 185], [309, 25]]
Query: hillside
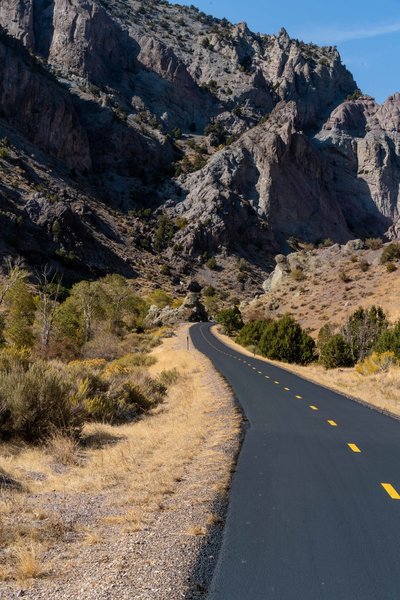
[[142, 135], [320, 285]]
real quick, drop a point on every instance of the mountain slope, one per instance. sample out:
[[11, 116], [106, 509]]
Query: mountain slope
[[142, 109]]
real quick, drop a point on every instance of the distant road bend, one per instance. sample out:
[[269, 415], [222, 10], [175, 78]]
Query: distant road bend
[[314, 509]]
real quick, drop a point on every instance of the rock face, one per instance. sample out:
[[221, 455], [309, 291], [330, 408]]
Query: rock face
[[34, 103], [361, 140], [273, 177], [241, 140]]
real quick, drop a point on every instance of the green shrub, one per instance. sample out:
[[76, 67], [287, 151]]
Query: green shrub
[[131, 398], [230, 319], [251, 334], [335, 353], [285, 340], [363, 329], [211, 263], [390, 253], [389, 341], [210, 291]]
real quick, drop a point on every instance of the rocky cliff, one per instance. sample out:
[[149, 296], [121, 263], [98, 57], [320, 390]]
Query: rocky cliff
[[146, 132]]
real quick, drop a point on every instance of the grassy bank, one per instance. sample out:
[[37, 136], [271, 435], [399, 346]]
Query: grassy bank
[[115, 481]]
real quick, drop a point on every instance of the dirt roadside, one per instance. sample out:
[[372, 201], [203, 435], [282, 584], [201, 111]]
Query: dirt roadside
[[154, 532]]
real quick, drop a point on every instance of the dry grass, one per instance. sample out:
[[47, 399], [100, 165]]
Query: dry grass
[[63, 449], [380, 390], [28, 564], [325, 297], [134, 467]]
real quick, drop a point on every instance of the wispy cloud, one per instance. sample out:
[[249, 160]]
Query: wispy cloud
[[361, 33]]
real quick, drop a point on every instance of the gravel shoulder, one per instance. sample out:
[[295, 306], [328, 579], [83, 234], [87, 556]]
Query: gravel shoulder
[[95, 550]]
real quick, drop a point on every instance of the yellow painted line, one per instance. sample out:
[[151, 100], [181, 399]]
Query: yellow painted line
[[354, 447], [391, 491], [332, 423], [277, 382], [287, 389], [299, 397], [267, 377], [313, 407]]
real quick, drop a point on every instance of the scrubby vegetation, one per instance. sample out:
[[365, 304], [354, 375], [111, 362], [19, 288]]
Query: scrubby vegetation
[[366, 336], [283, 340], [68, 357], [363, 332]]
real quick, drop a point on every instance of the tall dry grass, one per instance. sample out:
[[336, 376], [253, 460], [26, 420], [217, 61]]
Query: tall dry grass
[[134, 466]]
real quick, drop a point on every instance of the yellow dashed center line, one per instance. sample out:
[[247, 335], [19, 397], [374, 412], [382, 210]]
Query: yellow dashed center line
[[313, 407], [299, 397], [267, 377], [354, 447], [277, 382], [332, 423], [287, 389], [260, 372], [391, 491]]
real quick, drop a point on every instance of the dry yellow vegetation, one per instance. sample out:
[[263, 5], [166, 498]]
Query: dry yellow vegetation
[[332, 286], [130, 469]]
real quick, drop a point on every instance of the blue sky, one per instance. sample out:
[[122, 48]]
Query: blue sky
[[366, 33]]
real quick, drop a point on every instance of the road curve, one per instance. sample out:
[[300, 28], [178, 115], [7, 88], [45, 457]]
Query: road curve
[[314, 510]]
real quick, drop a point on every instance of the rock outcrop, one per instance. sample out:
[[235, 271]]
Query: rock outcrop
[[33, 102], [361, 141], [185, 135]]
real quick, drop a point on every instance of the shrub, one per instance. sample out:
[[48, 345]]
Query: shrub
[[343, 276], [285, 340], [211, 263], [335, 353], [169, 377], [364, 265], [160, 299], [251, 333], [389, 341], [15, 358], [391, 267], [376, 363], [165, 270], [35, 402], [210, 291], [374, 243], [130, 398], [363, 329], [297, 274], [230, 319], [390, 253]]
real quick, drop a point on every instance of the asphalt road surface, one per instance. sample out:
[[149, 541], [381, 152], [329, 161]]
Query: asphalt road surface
[[314, 509]]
